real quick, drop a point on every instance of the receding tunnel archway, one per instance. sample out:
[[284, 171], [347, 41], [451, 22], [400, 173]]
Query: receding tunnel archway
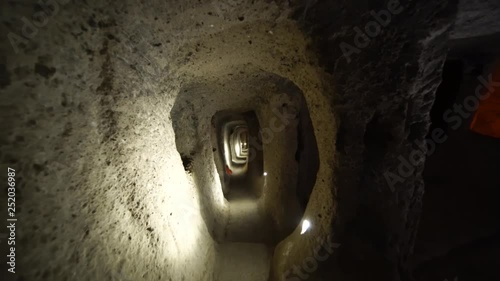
[[246, 182], [265, 205]]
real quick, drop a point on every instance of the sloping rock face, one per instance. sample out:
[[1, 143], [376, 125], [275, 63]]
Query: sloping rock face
[[476, 18], [476, 30]]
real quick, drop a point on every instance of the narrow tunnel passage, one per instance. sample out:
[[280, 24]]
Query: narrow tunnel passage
[[247, 182], [240, 203]]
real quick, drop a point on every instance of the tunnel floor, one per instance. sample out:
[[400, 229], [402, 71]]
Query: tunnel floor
[[244, 261]]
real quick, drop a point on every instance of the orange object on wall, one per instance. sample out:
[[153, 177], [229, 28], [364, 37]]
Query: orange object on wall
[[486, 120]]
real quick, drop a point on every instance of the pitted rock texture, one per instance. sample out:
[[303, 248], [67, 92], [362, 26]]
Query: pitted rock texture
[[102, 190]]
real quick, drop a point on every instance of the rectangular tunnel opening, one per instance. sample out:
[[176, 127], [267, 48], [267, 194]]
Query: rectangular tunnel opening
[[230, 130]]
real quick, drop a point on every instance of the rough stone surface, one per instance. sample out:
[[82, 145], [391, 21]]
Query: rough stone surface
[[382, 100], [477, 29], [102, 190], [459, 227], [476, 18]]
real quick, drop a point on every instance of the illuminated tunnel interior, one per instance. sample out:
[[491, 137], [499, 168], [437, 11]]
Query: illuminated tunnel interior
[[263, 140], [258, 206]]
